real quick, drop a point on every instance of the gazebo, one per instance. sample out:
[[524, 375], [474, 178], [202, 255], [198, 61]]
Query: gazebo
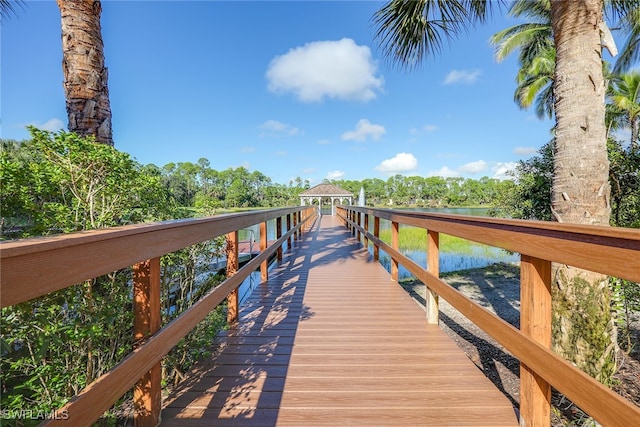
[[326, 194]]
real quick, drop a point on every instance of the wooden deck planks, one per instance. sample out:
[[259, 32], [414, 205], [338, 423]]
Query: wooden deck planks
[[330, 340]]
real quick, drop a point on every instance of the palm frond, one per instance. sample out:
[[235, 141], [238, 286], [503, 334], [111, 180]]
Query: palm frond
[[10, 7], [410, 30]]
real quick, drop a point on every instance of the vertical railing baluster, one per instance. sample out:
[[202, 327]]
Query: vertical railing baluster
[[433, 267], [376, 233], [395, 244], [264, 266], [359, 225], [535, 322], [147, 396], [295, 224], [232, 267]]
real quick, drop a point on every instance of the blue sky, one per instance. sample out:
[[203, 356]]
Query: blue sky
[[286, 88]]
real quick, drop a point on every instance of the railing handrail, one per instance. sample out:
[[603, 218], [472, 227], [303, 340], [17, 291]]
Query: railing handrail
[[605, 245], [38, 266], [538, 250], [27, 263]]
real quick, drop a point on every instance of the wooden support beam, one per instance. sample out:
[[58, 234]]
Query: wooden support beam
[[376, 233], [264, 266], [433, 267], [288, 228], [359, 221], [395, 244], [295, 223], [535, 322], [232, 268], [366, 227], [147, 398]]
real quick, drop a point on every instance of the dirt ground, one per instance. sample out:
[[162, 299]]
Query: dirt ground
[[497, 288]]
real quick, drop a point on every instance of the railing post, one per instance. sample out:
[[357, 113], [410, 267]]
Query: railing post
[[147, 398], [232, 268], [279, 235], [359, 224], [376, 233], [264, 266], [433, 267], [289, 229], [366, 227], [299, 215], [295, 223], [535, 322], [395, 244]]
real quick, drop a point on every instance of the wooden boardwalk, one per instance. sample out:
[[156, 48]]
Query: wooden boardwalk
[[330, 340]]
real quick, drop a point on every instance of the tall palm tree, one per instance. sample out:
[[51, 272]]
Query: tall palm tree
[[409, 30], [85, 74]]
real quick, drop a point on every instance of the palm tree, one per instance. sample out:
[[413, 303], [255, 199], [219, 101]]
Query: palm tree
[[85, 74], [534, 41], [409, 30], [625, 98]]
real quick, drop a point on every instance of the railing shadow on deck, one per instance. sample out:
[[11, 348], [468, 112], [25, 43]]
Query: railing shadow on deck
[[246, 368], [606, 250]]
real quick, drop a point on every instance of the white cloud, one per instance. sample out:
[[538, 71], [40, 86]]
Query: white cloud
[[337, 175], [281, 153], [525, 151], [247, 149], [52, 125], [473, 167], [444, 172], [364, 128], [501, 169], [334, 69], [402, 162], [309, 170], [324, 142], [424, 129], [462, 76], [276, 128]]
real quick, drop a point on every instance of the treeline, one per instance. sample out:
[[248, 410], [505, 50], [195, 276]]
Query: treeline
[[59, 182]]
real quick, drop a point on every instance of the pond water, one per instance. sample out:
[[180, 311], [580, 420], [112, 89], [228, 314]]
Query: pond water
[[479, 255]]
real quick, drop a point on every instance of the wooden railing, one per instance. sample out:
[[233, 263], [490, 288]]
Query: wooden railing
[[608, 250], [38, 266]]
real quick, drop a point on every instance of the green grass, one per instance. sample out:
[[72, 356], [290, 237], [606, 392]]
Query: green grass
[[415, 239]]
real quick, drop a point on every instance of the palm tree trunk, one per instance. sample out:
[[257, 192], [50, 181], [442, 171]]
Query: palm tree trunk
[[584, 330], [85, 75]]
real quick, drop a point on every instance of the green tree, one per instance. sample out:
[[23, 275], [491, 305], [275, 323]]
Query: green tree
[[624, 96]]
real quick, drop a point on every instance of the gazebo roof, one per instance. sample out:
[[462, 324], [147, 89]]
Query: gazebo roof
[[326, 190]]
